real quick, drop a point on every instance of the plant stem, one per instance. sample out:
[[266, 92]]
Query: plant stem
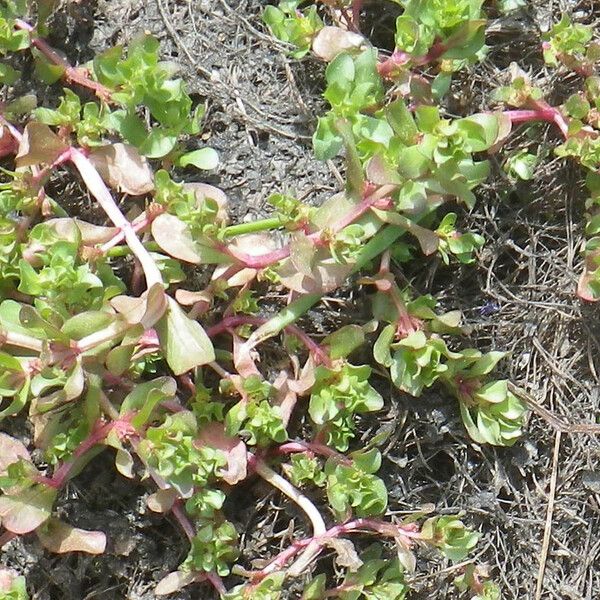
[[21, 340], [380, 242], [542, 112], [318, 238], [113, 331], [253, 227], [313, 548], [99, 190], [236, 321], [315, 448], [71, 74], [409, 532]]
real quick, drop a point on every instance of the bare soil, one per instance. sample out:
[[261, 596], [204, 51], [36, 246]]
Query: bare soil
[[537, 504]]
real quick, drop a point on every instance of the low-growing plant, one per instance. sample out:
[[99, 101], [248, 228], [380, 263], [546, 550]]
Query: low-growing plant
[[103, 346]]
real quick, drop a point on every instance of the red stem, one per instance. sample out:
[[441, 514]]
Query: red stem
[[541, 112], [315, 448], [236, 321], [72, 74], [98, 435], [381, 527], [318, 238]]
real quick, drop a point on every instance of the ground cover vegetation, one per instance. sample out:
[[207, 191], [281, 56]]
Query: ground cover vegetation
[[107, 343]]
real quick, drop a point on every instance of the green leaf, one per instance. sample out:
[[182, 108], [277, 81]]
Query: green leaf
[[8, 75], [205, 158], [145, 396], [158, 143], [44, 70], [327, 141], [183, 342], [493, 392]]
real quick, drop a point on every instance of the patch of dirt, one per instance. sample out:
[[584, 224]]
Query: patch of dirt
[[262, 110]]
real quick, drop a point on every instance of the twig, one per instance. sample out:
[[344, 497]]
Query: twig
[[556, 422], [549, 515]]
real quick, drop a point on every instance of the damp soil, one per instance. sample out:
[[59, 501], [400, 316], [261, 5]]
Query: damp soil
[[519, 297]]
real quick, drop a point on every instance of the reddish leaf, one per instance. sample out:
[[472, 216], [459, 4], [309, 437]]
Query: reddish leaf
[[285, 398], [39, 145], [238, 279], [188, 298], [8, 144], [7, 580], [147, 309], [11, 450], [243, 358], [327, 275], [380, 172], [123, 168], [162, 500], [174, 237], [60, 538], [330, 41], [302, 253], [213, 436], [203, 191], [585, 291], [255, 244], [27, 510], [346, 555]]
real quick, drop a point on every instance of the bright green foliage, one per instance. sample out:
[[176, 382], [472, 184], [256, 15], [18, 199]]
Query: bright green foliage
[[305, 469], [337, 396], [140, 79], [65, 442], [569, 43], [11, 39], [521, 165], [353, 489], [453, 24], [59, 278], [293, 25], [16, 590], [376, 579], [202, 218], [170, 450], [519, 93], [205, 502], [417, 356], [255, 418], [396, 147], [450, 535], [269, 588], [453, 243], [213, 548], [91, 122]]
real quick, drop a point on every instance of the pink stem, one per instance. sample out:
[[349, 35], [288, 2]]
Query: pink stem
[[71, 74], [373, 525], [541, 113], [183, 520], [318, 238], [138, 224], [236, 321], [98, 435], [315, 448]]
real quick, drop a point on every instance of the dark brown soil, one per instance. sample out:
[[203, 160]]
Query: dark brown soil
[[262, 109]]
